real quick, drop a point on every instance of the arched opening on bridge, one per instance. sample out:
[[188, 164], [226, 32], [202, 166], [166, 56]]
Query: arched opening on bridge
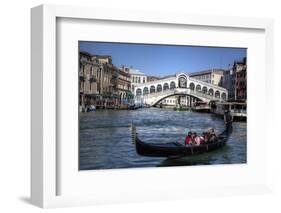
[[145, 91], [204, 90], [172, 85], [198, 88], [178, 99], [191, 86], [159, 88], [182, 82], [211, 92], [152, 89], [223, 96], [138, 92], [217, 94], [166, 86]]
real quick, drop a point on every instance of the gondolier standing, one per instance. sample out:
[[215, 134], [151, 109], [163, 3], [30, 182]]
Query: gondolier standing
[[227, 118]]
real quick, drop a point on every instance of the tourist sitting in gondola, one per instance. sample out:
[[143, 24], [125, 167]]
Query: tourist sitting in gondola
[[197, 139], [203, 138], [211, 136], [188, 139], [193, 135], [207, 137]]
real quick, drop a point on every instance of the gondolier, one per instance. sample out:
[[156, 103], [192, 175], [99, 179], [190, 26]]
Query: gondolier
[[227, 118]]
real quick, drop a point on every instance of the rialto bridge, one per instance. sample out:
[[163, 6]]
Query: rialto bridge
[[152, 93]]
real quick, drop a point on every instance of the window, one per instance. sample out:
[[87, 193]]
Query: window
[[166, 86], [191, 86], [152, 89], [139, 92], [145, 91], [217, 94], [172, 85], [198, 88], [159, 88]]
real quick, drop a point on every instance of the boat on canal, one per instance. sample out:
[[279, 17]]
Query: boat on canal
[[200, 106], [91, 108], [175, 149], [179, 107], [238, 110], [134, 106]]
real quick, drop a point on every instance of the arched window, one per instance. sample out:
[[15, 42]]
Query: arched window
[[166, 86], [204, 90], [138, 93], [145, 91], [172, 85], [217, 94], [159, 88], [198, 88], [223, 96], [152, 89], [182, 82], [191, 86], [211, 92]]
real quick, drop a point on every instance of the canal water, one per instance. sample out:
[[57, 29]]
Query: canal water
[[105, 138]]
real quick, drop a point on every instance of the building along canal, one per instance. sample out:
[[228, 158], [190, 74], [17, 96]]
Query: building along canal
[[105, 138]]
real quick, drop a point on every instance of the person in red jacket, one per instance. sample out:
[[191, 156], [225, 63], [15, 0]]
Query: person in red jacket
[[188, 139]]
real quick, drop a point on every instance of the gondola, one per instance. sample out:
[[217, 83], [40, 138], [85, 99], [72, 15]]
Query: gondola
[[175, 149]]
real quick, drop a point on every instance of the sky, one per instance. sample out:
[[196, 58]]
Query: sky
[[162, 60]]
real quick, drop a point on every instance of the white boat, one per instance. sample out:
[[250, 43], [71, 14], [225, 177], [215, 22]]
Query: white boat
[[238, 110], [91, 108], [201, 107]]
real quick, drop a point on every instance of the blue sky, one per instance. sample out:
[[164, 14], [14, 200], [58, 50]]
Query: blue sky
[[161, 60]]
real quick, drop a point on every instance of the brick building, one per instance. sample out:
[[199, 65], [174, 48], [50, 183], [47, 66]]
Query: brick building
[[235, 81]]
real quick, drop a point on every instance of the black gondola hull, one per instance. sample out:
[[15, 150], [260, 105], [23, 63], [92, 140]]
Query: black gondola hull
[[176, 149]]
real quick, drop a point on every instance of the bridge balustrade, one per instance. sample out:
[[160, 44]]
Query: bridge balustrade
[[183, 91]]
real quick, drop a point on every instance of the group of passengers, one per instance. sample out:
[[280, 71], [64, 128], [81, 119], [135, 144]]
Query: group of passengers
[[207, 137]]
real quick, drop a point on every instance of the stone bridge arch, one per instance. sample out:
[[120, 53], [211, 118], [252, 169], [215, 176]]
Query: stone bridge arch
[[154, 91], [171, 95], [156, 98]]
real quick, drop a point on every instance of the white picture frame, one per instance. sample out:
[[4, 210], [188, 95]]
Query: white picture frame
[[45, 178]]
